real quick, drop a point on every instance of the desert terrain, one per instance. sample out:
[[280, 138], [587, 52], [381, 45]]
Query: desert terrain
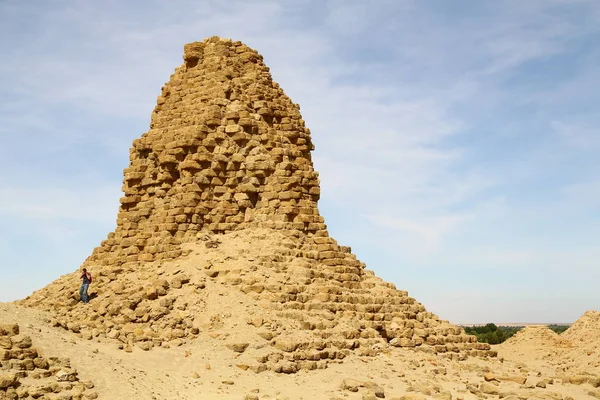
[[535, 364], [220, 280]]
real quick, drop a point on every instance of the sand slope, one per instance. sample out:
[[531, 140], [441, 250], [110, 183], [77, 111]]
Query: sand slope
[[585, 329], [206, 369], [573, 353]]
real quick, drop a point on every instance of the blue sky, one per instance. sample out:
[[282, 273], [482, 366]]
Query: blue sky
[[457, 142]]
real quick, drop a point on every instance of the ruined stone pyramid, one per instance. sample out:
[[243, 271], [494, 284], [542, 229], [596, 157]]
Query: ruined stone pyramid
[[219, 233]]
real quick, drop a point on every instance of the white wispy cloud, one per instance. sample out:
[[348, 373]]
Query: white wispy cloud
[[92, 203], [583, 137], [431, 230]]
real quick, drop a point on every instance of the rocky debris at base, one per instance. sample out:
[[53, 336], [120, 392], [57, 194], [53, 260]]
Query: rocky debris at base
[[294, 313], [26, 374], [209, 368]]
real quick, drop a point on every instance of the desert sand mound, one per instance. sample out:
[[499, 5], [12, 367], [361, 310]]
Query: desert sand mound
[[533, 342], [537, 336], [586, 329], [575, 352], [585, 336]]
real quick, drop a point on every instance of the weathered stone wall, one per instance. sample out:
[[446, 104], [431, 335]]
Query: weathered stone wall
[[25, 374], [227, 149]]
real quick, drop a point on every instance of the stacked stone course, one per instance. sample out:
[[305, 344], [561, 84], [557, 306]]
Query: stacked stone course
[[228, 152], [25, 374]]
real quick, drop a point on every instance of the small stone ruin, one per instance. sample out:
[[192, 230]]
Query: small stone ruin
[[26, 374]]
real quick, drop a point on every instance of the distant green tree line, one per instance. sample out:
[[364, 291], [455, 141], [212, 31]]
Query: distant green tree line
[[558, 328], [492, 334]]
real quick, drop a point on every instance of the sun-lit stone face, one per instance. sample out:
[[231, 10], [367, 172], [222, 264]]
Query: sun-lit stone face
[[226, 149]]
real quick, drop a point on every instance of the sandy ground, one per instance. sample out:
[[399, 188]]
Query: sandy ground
[[205, 369]]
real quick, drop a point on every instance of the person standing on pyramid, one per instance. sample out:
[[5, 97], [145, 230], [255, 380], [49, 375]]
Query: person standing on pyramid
[[86, 279]]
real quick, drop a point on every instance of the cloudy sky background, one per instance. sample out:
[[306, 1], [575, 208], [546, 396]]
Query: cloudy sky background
[[457, 142]]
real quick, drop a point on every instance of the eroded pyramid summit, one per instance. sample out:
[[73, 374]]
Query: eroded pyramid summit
[[227, 149], [219, 233]]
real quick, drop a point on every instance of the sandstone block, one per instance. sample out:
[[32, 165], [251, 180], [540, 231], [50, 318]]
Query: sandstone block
[[151, 293], [287, 345], [267, 335], [9, 329], [5, 342], [7, 380], [41, 363], [375, 389], [351, 385], [66, 375], [578, 379], [146, 346], [179, 280], [402, 342], [21, 342], [489, 388], [238, 347]]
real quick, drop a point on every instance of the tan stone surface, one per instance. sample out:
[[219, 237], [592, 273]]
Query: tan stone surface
[[25, 373], [585, 329], [206, 368], [574, 352]]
